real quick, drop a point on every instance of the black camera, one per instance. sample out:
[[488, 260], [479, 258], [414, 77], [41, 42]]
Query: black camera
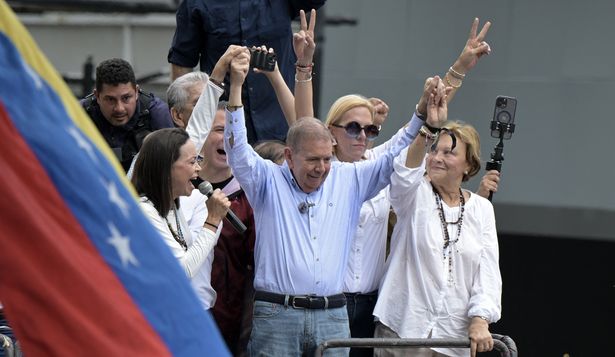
[[262, 59], [503, 117]]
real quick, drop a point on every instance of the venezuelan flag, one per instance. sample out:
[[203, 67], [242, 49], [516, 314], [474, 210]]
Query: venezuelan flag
[[82, 272]]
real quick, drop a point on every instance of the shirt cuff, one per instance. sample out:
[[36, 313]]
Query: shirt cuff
[[415, 124], [219, 89], [236, 126]]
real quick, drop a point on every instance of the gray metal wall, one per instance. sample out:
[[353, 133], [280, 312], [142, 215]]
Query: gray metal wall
[[556, 57], [67, 39]]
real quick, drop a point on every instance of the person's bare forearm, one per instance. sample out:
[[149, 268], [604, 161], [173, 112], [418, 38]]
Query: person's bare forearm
[[304, 103], [178, 71], [284, 95]]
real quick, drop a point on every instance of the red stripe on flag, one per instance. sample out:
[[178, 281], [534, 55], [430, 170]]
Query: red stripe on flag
[[58, 293]]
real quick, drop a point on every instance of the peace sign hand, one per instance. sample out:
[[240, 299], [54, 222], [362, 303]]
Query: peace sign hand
[[475, 47], [303, 41]]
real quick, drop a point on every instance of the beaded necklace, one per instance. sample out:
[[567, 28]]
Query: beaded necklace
[[447, 248], [179, 236]]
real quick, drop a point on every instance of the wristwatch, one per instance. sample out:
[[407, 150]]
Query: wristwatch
[[232, 108], [482, 318], [219, 84]]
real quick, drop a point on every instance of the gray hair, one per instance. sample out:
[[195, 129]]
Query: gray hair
[[307, 129], [177, 93]]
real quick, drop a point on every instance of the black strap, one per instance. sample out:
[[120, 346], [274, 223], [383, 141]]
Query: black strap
[[144, 122], [302, 301]]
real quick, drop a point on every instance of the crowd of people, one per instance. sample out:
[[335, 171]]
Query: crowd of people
[[316, 260]]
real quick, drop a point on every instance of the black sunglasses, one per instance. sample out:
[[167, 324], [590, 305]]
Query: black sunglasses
[[450, 133], [353, 129]]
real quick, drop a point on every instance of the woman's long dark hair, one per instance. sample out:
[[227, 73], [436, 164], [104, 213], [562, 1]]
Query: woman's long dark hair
[[152, 172]]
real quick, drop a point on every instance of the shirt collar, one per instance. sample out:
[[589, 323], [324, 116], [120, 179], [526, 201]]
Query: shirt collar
[[288, 175]]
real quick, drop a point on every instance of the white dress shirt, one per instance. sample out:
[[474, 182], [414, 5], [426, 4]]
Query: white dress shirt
[[368, 252], [416, 298]]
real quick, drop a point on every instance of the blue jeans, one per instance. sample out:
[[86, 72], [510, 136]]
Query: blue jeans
[[360, 315], [285, 331]]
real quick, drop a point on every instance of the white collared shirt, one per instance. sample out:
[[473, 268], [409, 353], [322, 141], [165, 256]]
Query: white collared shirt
[[368, 252]]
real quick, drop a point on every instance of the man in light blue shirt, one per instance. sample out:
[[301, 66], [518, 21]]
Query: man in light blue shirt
[[306, 212]]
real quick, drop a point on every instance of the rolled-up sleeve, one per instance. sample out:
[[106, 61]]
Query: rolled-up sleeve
[[189, 37]]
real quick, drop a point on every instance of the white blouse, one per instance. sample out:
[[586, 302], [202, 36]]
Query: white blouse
[[199, 248], [417, 295], [368, 252]]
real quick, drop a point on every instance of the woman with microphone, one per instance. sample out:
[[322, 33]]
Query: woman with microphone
[[163, 172]]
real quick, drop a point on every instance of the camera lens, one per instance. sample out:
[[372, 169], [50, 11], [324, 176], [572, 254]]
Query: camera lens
[[502, 102], [503, 117]]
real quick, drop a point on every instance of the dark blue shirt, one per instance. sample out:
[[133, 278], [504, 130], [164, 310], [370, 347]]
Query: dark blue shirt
[[205, 29], [125, 140]]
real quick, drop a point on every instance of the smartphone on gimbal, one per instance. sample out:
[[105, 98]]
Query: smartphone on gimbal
[[503, 117]]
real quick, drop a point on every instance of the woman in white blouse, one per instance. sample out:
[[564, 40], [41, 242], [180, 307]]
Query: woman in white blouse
[[163, 172], [443, 278]]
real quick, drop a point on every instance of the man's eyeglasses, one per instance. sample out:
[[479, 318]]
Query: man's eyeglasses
[[353, 129]]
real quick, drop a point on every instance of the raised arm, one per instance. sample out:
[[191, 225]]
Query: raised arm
[[223, 65], [205, 109], [249, 169], [474, 48], [437, 112], [381, 111], [282, 92], [304, 46], [238, 70]]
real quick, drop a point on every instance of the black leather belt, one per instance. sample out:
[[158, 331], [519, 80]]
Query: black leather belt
[[303, 301], [362, 296]]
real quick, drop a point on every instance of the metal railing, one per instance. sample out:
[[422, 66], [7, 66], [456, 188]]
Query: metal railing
[[503, 344]]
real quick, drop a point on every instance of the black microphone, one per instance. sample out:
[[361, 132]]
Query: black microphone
[[207, 189]]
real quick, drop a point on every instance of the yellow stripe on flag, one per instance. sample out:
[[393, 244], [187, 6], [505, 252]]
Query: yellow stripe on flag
[[34, 57]]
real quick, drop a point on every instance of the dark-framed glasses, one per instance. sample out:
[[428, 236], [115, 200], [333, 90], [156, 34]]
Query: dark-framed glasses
[[353, 129]]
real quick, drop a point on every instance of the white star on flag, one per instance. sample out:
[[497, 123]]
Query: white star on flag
[[82, 143], [122, 246], [114, 197], [35, 78]]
